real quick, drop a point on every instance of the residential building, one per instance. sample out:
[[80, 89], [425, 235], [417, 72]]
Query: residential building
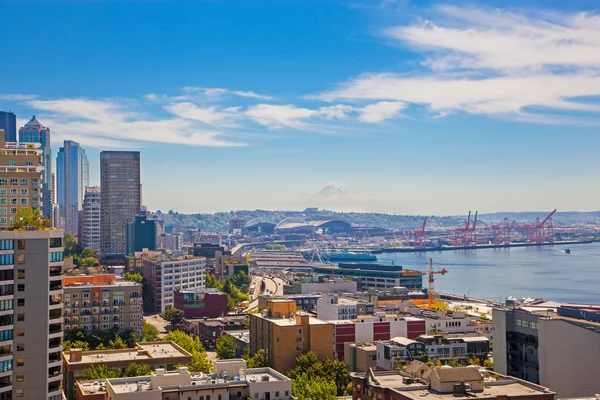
[[120, 198], [72, 178], [166, 273], [155, 354], [200, 303], [210, 329], [100, 301], [371, 276], [284, 334], [333, 286], [333, 307], [21, 172], [555, 347], [141, 233], [360, 357], [443, 384], [35, 132], [31, 314], [230, 380], [377, 327], [305, 302], [168, 241], [90, 221], [8, 123]]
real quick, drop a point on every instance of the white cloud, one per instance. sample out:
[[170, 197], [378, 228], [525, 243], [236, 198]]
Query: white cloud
[[488, 61], [252, 95], [106, 123], [17, 97], [209, 115], [379, 112], [279, 116], [339, 111], [216, 92]]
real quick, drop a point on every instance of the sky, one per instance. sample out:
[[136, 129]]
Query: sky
[[405, 107]]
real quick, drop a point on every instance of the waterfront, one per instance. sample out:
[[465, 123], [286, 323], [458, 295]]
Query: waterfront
[[538, 272]]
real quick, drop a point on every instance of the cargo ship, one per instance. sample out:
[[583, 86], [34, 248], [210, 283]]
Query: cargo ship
[[346, 255]]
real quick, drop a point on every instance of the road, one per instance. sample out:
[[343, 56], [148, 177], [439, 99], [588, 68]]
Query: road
[[158, 322], [273, 286]]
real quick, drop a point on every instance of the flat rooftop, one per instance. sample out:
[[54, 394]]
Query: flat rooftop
[[292, 321]]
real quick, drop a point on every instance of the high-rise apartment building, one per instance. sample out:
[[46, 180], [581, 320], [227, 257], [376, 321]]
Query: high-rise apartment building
[[101, 301], [31, 315], [120, 183], [8, 123], [35, 132], [20, 177], [72, 177], [89, 234], [141, 233], [165, 274]]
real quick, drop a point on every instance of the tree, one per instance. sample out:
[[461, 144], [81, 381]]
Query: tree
[[306, 387], [100, 371], [70, 245], [133, 277], [28, 218], [488, 364], [199, 362], [86, 262], [87, 252], [338, 372], [134, 369], [168, 312], [306, 363], [185, 341], [258, 360], [117, 343], [212, 282], [225, 347], [75, 344], [474, 361], [149, 332]]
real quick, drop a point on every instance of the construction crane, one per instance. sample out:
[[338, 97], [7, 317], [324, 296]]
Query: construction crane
[[431, 273], [419, 234]]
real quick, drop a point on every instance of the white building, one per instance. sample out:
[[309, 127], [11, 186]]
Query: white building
[[333, 307], [90, 234], [166, 273], [335, 286]]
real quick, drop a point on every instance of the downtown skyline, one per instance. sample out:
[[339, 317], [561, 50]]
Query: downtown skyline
[[407, 107]]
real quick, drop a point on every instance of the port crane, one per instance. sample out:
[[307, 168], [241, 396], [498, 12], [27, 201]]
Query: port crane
[[430, 273], [465, 236], [539, 231], [419, 234]]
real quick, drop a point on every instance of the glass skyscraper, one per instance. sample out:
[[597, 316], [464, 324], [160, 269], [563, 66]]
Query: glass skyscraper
[[72, 177], [35, 132], [8, 122]]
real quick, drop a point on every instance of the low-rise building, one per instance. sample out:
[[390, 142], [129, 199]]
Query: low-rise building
[[334, 307], [360, 357], [283, 334], [242, 341], [93, 302], [155, 354], [209, 329], [444, 384], [333, 286], [371, 276], [230, 380], [306, 302], [200, 303]]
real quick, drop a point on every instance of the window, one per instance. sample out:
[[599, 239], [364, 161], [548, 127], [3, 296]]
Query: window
[[24, 201], [299, 331], [20, 258], [19, 392], [6, 335], [299, 349], [20, 317], [55, 242], [20, 302], [20, 347], [21, 244], [29, 163], [3, 201], [6, 259], [20, 362], [20, 287], [3, 220], [21, 273], [13, 191], [20, 377], [3, 181], [13, 210], [14, 201], [7, 244], [21, 332], [298, 340], [14, 181], [24, 182], [56, 256], [12, 163], [6, 305]]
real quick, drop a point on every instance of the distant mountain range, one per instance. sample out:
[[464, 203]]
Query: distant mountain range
[[219, 222]]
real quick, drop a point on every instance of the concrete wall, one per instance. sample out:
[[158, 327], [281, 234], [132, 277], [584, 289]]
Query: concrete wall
[[500, 359], [569, 358]]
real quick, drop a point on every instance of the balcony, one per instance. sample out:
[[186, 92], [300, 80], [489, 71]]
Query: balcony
[[54, 343], [54, 387], [55, 285]]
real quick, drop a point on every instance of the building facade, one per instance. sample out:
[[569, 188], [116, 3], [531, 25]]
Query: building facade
[[21, 172], [547, 348], [283, 335], [31, 329], [200, 303], [166, 273], [35, 132], [141, 233], [372, 276], [72, 178], [93, 302], [89, 234], [120, 198], [8, 123]]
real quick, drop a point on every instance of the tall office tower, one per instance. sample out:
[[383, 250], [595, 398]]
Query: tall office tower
[[72, 177], [120, 198], [34, 132], [31, 327], [141, 233], [89, 235], [20, 176], [8, 122]]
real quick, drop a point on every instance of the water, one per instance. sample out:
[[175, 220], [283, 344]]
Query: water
[[538, 272]]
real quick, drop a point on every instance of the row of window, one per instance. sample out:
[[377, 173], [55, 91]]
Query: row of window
[[14, 191], [15, 182]]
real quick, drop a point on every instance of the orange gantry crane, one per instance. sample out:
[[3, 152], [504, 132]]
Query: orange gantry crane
[[431, 273]]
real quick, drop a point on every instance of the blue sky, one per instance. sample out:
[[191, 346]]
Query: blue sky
[[410, 107]]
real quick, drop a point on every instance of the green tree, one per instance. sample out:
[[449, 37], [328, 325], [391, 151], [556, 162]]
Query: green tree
[[28, 218], [306, 363], [185, 341], [117, 343], [100, 371], [258, 360], [488, 364], [225, 347], [149, 332], [70, 245], [87, 252], [275, 246], [133, 277], [168, 313], [338, 372], [212, 282], [134, 369], [86, 262], [474, 361], [307, 387], [199, 362], [75, 344]]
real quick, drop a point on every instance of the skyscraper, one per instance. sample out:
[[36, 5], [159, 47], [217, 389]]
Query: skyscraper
[[72, 177], [35, 132], [120, 198], [8, 122], [89, 235]]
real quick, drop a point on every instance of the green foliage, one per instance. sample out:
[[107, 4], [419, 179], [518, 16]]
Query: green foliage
[[258, 360], [212, 282], [87, 252], [225, 347], [149, 332], [75, 344], [275, 246], [101, 339], [200, 362], [336, 372], [28, 218], [307, 387], [116, 343], [488, 364], [86, 262], [133, 277], [134, 369], [70, 245], [168, 313], [100, 371], [185, 341]]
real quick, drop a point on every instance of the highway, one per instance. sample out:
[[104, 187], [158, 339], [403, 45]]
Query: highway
[[273, 286]]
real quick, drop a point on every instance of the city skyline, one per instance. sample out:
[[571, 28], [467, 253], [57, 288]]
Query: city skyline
[[391, 107]]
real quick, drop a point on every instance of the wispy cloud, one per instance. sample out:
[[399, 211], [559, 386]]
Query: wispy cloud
[[214, 92], [490, 61], [379, 112], [17, 97], [216, 116]]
